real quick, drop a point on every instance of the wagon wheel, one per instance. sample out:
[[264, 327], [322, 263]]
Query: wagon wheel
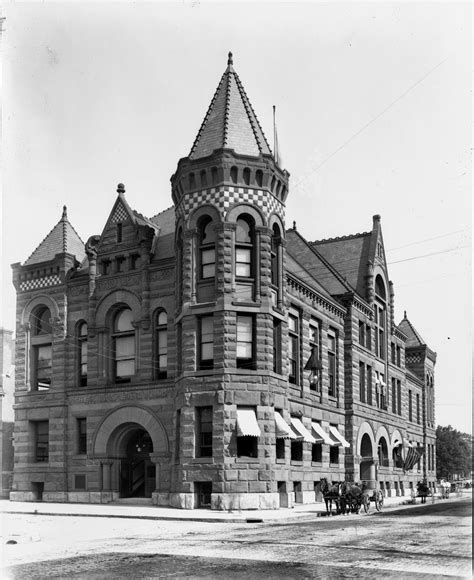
[[366, 503], [379, 501]]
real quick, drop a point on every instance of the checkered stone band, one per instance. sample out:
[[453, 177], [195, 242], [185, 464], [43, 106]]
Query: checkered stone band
[[120, 214], [224, 198], [40, 283]]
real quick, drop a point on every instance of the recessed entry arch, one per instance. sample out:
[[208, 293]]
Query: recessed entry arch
[[108, 433]]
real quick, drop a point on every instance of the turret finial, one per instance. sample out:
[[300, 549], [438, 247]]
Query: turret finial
[[120, 188], [405, 314], [64, 213], [230, 60]]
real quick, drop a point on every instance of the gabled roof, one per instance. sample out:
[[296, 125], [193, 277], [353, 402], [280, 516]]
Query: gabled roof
[[316, 265], [230, 121], [349, 255], [62, 239], [413, 336]]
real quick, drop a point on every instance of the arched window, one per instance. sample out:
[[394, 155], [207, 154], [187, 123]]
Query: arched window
[[276, 241], [259, 177], [233, 174], [82, 353], [203, 176], [161, 345], [214, 176], [380, 318], [383, 452], [42, 348], [244, 240], [246, 176], [123, 346], [207, 249], [192, 181]]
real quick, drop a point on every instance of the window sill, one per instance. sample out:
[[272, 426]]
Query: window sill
[[247, 460], [297, 462], [246, 303], [281, 461], [202, 460], [316, 463]]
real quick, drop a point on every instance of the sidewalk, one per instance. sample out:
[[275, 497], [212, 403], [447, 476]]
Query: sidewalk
[[299, 513]]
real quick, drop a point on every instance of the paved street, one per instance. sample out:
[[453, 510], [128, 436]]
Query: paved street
[[429, 541]]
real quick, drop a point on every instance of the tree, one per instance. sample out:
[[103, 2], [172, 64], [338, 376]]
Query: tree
[[453, 453]]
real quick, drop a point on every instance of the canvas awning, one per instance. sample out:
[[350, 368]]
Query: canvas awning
[[340, 439], [301, 431], [282, 429], [321, 435], [247, 425]]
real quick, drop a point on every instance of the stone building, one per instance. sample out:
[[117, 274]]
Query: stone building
[[7, 377], [210, 357]]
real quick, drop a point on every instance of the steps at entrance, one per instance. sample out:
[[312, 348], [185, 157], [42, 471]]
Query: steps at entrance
[[133, 501]]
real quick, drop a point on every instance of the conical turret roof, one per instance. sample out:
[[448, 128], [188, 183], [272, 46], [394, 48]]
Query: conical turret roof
[[62, 239], [230, 121], [413, 336]]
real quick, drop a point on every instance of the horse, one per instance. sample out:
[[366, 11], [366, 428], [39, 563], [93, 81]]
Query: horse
[[352, 494], [331, 493]]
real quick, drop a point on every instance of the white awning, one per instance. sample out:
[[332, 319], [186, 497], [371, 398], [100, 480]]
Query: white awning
[[321, 435], [339, 437], [301, 431], [247, 425], [282, 429]]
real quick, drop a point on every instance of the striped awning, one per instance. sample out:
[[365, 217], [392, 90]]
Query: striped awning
[[247, 425], [340, 439], [321, 435], [301, 432], [282, 429]]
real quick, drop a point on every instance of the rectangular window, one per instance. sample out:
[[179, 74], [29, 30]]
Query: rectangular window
[[208, 263], [399, 397], [362, 332], [293, 347], [179, 347], [83, 362], [280, 448], [317, 453], [124, 357], [243, 262], [277, 345], [418, 420], [203, 431], [41, 435], [80, 481], [410, 406], [362, 382], [332, 365], [245, 342], [206, 355], [296, 451], [333, 454], [105, 266], [392, 351], [119, 264], [314, 344], [119, 232], [247, 447], [43, 366], [399, 350], [368, 337], [394, 396], [369, 385], [133, 261], [82, 436]]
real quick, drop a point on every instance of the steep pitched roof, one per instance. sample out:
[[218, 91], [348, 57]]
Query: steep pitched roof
[[230, 121], [316, 264], [63, 238], [349, 255], [413, 336]]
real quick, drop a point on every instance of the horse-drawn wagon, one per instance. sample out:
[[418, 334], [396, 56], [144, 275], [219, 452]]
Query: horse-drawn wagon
[[371, 493]]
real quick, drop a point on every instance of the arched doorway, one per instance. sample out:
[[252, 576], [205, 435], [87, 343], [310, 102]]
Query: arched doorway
[[137, 476], [367, 468]]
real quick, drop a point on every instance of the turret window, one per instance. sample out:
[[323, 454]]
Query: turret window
[[206, 354], [41, 341], [243, 248], [207, 249], [245, 342]]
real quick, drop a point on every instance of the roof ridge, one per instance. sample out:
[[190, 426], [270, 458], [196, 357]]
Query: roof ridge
[[206, 117], [248, 105], [162, 212], [341, 238]]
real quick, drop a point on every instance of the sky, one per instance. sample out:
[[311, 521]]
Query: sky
[[373, 113]]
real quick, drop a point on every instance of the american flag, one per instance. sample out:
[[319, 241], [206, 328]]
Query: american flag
[[413, 456]]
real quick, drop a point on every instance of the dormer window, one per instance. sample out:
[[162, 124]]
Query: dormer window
[[119, 232]]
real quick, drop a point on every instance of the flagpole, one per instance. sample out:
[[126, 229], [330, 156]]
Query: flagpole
[[274, 135]]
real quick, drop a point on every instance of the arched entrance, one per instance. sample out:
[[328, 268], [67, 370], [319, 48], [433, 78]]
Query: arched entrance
[[367, 467], [137, 474]]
